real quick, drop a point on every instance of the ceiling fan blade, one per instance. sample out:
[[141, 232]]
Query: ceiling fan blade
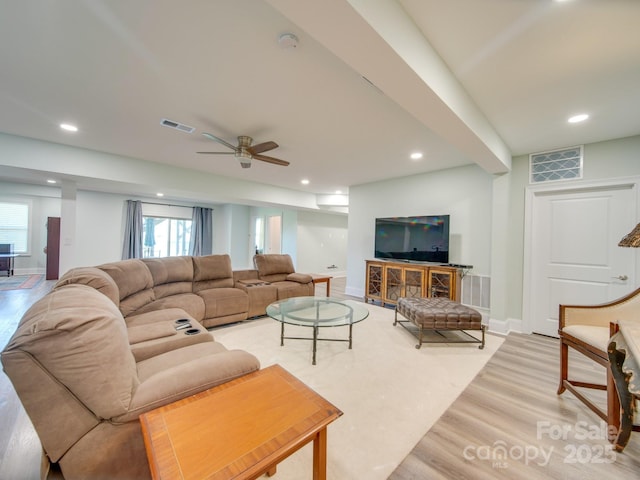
[[218, 153], [275, 161], [262, 147], [219, 140]]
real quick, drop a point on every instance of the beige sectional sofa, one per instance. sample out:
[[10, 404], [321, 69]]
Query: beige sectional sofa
[[111, 342]]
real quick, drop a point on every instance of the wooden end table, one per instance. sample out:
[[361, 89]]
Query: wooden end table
[[238, 430], [322, 279]]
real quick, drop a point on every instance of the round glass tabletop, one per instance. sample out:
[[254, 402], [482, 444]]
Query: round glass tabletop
[[317, 311]]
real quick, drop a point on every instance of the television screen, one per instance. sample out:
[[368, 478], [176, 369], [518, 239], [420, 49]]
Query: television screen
[[422, 238]]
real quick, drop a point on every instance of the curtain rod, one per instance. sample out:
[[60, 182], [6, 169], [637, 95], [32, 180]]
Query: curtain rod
[[170, 205]]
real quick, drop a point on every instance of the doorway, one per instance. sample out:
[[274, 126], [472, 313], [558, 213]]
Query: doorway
[[571, 249]]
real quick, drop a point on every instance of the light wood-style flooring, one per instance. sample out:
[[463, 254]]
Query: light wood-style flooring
[[511, 403]]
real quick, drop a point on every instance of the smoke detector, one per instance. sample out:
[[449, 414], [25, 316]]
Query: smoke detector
[[288, 40]]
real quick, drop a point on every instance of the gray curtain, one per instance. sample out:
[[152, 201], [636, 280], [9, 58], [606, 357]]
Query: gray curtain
[[132, 245], [201, 232]]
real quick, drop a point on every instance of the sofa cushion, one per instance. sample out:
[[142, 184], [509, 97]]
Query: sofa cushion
[[221, 302], [80, 337], [273, 267], [212, 271], [134, 281], [93, 277], [189, 302], [171, 275], [293, 289]]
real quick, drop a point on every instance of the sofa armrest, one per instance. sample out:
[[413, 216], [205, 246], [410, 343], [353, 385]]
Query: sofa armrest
[[144, 333], [299, 277], [240, 275], [188, 378]]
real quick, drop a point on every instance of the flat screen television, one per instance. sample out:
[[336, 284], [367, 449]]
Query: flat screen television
[[422, 238]]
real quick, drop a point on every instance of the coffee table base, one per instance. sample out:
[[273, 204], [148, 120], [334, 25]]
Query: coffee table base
[[315, 339]]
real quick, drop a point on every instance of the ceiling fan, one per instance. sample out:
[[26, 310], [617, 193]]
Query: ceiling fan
[[245, 152]]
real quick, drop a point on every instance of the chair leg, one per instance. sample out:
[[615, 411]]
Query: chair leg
[[613, 405], [564, 366]]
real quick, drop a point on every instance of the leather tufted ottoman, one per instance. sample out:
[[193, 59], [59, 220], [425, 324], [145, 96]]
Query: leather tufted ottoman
[[439, 315]]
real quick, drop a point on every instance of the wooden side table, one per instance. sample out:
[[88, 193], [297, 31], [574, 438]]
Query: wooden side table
[[323, 279], [240, 429]]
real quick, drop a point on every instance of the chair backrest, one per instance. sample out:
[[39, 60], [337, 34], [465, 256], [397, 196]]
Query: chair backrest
[[135, 284], [273, 267], [71, 365], [212, 271], [601, 315], [93, 277], [171, 275]]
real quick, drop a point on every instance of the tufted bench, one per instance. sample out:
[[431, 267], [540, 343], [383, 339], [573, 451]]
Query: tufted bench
[[439, 314]]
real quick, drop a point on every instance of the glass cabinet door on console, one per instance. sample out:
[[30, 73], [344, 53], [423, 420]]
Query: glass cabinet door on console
[[393, 280], [413, 283], [374, 281], [441, 283]]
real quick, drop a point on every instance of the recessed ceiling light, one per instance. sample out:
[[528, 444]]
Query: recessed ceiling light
[[304, 181], [68, 127], [51, 180], [159, 194], [578, 118], [416, 156]]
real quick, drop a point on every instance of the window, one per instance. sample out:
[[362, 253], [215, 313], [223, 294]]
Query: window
[[165, 237], [14, 225]]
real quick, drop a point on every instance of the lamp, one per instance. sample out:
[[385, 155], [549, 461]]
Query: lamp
[[632, 239]]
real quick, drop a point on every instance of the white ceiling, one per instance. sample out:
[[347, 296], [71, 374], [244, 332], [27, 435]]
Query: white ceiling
[[464, 81]]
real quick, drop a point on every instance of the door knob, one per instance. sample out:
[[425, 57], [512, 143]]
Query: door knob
[[621, 277]]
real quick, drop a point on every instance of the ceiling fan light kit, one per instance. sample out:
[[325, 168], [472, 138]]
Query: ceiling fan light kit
[[245, 152]]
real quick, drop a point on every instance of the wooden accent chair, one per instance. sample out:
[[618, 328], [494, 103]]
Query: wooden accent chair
[[587, 329]]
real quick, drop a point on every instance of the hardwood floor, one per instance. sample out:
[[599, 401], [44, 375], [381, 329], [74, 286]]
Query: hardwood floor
[[19, 445], [511, 403], [511, 410]]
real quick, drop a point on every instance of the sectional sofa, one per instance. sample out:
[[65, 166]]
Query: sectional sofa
[[111, 342]]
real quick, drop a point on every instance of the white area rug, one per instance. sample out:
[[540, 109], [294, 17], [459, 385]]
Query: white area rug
[[390, 392]]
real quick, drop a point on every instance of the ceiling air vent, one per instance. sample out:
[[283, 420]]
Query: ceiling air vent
[[178, 126]]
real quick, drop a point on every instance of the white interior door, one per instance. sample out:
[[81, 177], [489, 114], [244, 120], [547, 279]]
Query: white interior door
[[575, 258], [273, 236]]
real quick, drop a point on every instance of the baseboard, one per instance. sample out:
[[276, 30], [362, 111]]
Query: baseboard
[[505, 326], [29, 271]]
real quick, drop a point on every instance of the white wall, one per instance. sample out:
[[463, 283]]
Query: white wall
[[464, 193], [322, 242]]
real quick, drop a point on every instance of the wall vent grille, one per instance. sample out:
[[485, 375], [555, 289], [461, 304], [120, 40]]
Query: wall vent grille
[[556, 165], [178, 126], [476, 291]]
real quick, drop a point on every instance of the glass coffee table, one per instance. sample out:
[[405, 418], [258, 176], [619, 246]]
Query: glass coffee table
[[317, 312]]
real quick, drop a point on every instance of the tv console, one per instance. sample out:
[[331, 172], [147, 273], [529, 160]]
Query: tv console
[[389, 280]]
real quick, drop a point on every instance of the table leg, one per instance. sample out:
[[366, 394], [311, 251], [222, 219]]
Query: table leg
[[272, 471], [350, 334], [315, 341], [320, 455], [328, 287], [282, 334]]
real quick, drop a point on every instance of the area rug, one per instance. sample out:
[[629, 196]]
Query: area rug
[[390, 392], [17, 282]]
